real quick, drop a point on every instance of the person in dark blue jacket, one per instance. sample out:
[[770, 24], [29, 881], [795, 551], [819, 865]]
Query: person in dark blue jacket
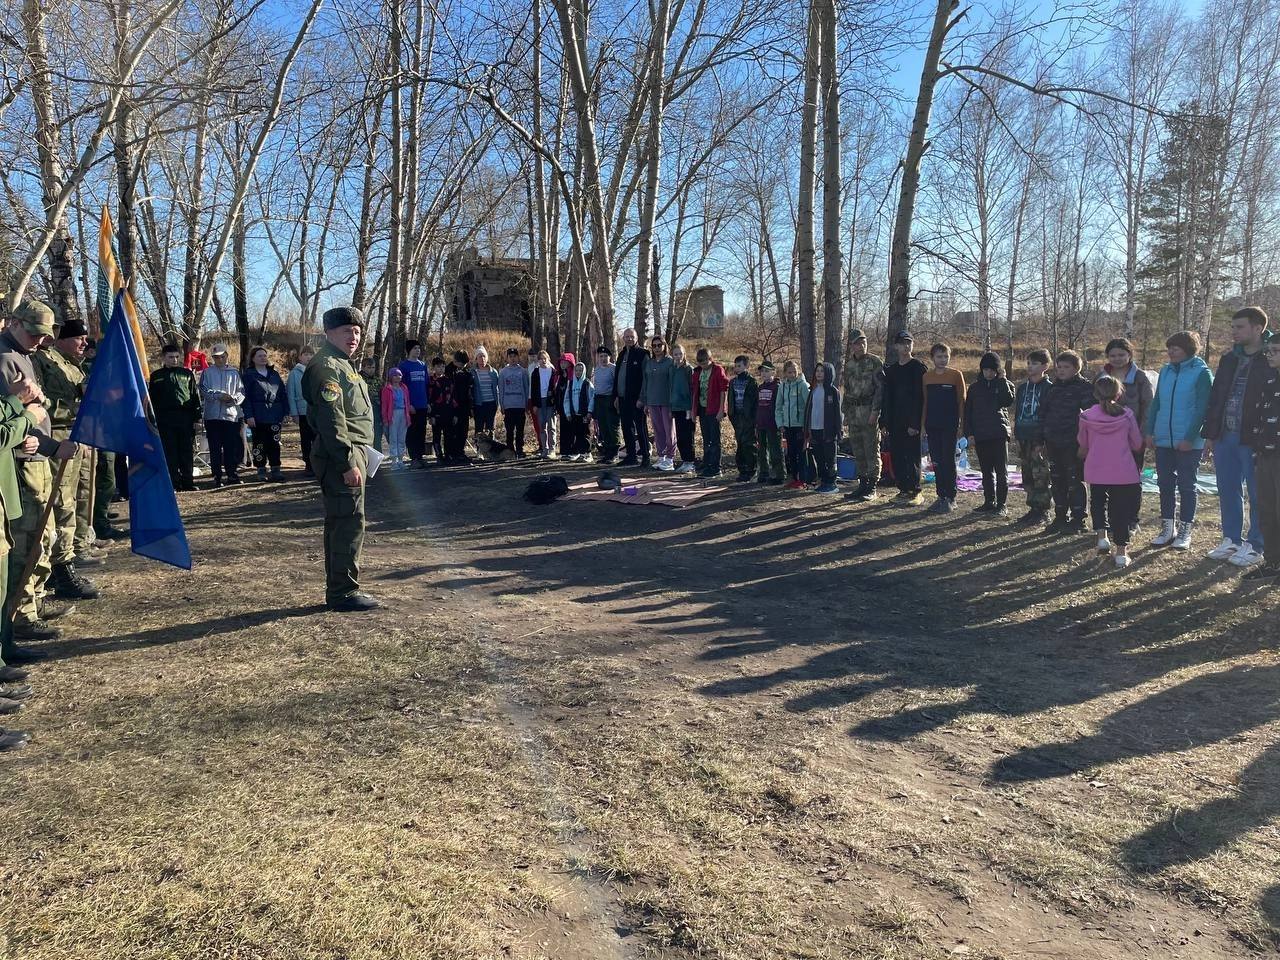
[[266, 404]]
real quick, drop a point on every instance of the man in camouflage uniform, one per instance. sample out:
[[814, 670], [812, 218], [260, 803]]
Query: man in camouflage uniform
[[30, 327], [15, 426], [863, 388], [58, 370], [342, 417]]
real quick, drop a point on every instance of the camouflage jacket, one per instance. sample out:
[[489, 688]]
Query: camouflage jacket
[[863, 383]]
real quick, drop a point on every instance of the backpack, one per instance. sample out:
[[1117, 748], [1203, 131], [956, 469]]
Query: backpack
[[546, 490]]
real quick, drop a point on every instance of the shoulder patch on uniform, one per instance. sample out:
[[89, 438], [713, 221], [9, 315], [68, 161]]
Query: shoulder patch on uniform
[[331, 392]]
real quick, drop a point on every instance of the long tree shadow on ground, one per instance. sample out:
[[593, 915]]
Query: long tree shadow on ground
[[850, 602]]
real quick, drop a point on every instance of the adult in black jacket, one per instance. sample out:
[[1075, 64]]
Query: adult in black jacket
[[901, 416], [1067, 397], [628, 384], [823, 439], [1236, 385]]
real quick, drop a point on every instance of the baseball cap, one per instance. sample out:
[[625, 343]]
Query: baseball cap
[[35, 317]]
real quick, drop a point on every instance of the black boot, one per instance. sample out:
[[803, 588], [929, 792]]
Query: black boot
[[1060, 524], [70, 585]]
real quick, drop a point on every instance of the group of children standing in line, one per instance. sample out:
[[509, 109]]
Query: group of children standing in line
[[1068, 430]]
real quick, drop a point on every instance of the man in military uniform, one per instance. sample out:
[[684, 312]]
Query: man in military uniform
[[342, 417], [863, 388], [30, 327], [15, 427], [58, 370]]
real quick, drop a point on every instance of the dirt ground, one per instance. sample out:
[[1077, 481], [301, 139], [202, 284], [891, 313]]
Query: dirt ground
[[768, 725]]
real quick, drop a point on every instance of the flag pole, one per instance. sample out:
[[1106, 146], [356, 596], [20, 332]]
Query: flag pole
[[33, 555]]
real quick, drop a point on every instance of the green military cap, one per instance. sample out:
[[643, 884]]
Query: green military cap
[[856, 335], [35, 317]]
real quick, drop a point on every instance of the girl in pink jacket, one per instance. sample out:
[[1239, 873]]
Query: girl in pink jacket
[[1108, 437], [396, 414]]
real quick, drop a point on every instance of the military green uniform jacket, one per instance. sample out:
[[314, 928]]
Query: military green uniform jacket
[[15, 423], [174, 394], [338, 408], [863, 384], [62, 381]]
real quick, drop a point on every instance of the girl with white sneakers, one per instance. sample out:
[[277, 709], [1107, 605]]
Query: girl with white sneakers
[[1108, 437], [1172, 430]]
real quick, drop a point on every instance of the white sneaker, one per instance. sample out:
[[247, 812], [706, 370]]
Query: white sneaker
[[1183, 540], [1104, 545], [1168, 531], [587, 458], [1246, 556], [1224, 550], [687, 467], [666, 466], [1122, 560]]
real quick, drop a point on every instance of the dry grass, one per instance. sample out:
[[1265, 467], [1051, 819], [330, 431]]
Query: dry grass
[[765, 729]]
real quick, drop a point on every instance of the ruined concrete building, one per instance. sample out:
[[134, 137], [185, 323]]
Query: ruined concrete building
[[703, 309], [492, 293]]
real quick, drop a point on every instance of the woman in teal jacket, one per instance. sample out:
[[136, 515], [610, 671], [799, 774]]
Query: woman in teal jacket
[[1172, 429]]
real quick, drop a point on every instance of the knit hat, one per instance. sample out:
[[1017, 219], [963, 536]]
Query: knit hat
[[991, 361], [343, 317], [72, 328], [35, 317]]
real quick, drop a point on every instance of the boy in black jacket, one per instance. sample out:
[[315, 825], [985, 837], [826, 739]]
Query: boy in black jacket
[[986, 401], [824, 424], [1069, 395], [901, 412], [175, 398], [743, 400], [455, 441]]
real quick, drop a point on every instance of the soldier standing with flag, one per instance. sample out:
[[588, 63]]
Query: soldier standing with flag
[[342, 417], [57, 367]]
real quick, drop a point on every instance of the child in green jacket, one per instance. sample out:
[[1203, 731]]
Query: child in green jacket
[[793, 397]]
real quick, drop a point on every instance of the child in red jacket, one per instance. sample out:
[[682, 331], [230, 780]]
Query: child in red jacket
[[396, 412]]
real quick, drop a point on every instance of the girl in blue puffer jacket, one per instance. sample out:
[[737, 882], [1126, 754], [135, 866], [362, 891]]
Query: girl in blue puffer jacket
[[1173, 430]]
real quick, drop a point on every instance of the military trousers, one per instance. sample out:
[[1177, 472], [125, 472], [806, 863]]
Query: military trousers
[[343, 524], [6, 625], [85, 502], [1035, 475], [35, 484], [65, 513], [864, 441]]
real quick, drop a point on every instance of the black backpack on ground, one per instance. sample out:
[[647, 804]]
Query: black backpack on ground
[[545, 490]]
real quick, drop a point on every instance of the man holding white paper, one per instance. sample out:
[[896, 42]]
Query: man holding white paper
[[341, 415]]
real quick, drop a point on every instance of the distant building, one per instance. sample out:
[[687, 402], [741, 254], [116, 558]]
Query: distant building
[[703, 310], [492, 293]]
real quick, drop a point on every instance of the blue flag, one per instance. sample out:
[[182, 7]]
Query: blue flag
[[113, 416]]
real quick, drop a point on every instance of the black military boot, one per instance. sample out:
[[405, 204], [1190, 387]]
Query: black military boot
[[70, 585]]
